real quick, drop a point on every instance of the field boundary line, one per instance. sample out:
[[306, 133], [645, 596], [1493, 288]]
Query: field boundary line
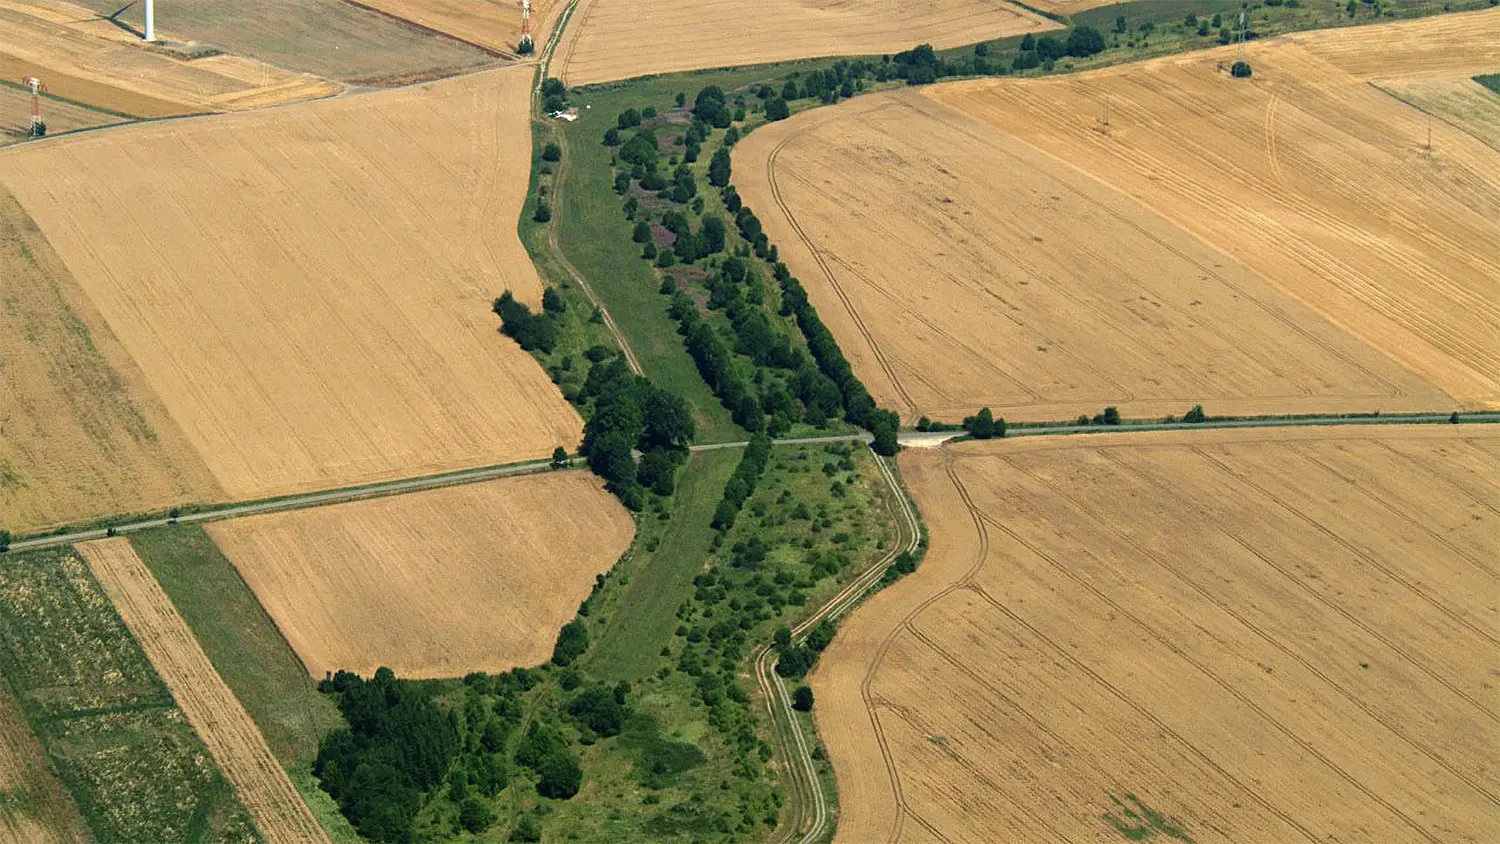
[[401, 486], [217, 716]]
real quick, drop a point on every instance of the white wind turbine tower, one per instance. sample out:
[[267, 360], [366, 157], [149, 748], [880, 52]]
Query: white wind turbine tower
[[150, 20]]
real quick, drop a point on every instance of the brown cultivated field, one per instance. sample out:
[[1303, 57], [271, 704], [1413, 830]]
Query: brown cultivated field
[[34, 809], [330, 38], [90, 61], [307, 289], [1278, 245], [1267, 636], [432, 584], [15, 116], [1067, 7], [609, 40], [81, 435], [217, 716]]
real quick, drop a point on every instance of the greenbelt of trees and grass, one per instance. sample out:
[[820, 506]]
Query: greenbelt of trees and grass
[[641, 726]]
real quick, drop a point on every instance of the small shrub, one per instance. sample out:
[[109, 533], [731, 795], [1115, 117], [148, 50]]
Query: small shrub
[[802, 699], [1240, 70], [552, 152]]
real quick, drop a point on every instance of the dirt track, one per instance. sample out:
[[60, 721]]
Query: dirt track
[[217, 716], [1265, 635]]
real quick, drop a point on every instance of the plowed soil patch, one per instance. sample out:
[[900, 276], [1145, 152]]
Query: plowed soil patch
[[432, 584], [608, 40], [1261, 636], [307, 290], [217, 716], [84, 58]]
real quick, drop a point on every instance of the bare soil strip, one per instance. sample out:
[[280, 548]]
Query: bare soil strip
[[1263, 635], [223, 724]]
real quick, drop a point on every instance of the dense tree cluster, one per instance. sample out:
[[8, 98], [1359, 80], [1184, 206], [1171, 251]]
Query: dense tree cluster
[[859, 406], [554, 96], [632, 414], [398, 744], [796, 660], [534, 332], [983, 425]]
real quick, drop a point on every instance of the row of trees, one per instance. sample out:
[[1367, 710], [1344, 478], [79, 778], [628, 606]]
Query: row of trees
[[859, 406], [742, 482]]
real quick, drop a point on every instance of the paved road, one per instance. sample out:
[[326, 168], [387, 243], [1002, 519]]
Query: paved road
[[293, 502], [911, 439]]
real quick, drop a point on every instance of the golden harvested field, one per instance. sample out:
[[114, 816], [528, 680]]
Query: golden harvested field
[[609, 40], [307, 289], [34, 809], [85, 59], [436, 583], [1457, 100], [489, 24], [215, 713], [962, 268], [1278, 245], [81, 435], [1263, 635]]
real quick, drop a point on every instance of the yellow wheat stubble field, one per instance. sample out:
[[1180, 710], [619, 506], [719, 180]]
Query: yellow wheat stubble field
[[608, 40], [81, 434], [432, 584], [210, 706], [1275, 245], [1261, 635], [493, 25], [307, 289]]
